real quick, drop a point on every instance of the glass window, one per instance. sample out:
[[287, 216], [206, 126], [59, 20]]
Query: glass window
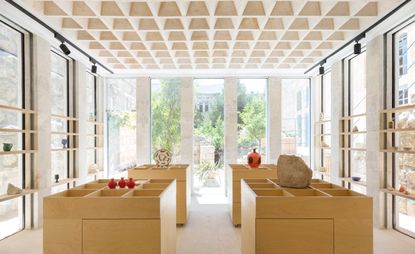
[[325, 126], [11, 94], [121, 125], [60, 108], [357, 124], [295, 120], [252, 117], [92, 112], [165, 116], [404, 168], [403, 54], [208, 133]]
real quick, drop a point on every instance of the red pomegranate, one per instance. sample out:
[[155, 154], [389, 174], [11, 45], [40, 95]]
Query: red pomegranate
[[254, 159], [130, 183], [112, 184], [122, 183]]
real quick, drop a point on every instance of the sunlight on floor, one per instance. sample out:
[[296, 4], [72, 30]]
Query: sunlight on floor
[[211, 196]]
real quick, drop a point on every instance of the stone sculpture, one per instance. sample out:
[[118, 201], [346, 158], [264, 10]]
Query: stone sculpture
[[162, 157], [293, 172], [13, 190]]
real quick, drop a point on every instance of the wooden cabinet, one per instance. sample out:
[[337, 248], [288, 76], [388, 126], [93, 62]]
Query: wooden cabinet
[[322, 219], [92, 219], [236, 172], [180, 172]]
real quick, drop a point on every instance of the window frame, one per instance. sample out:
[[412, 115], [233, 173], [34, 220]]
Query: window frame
[[311, 159], [346, 155], [394, 101], [28, 123], [71, 114]]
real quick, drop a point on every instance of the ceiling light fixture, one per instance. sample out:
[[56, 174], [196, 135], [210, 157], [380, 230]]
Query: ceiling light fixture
[[63, 47], [321, 69], [94, 66], [381, 20], [357, 48]]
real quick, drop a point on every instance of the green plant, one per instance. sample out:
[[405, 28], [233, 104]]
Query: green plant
[[206, 170]]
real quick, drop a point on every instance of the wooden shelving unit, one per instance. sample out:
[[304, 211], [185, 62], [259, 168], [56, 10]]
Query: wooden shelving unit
[[390, 136], [18, 152], [347, 133], [96, 141], [319, 139], [72, 136], [27, 132], [350, 180], [64, 181], [9, 197], [399, 194]]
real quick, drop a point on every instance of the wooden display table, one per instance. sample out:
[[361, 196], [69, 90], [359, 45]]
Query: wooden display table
[[180, 172], [235, 174], [322, 219], [92, 219]]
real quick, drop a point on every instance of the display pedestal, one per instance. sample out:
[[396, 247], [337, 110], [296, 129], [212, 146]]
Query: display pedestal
[[91, 219], [323, 219], [180, 172], [236, 172]]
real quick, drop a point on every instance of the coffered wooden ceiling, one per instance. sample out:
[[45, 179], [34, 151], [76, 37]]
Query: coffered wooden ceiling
[[210, 34]]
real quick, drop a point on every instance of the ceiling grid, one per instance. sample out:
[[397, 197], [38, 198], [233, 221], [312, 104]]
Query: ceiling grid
[[211, 34]]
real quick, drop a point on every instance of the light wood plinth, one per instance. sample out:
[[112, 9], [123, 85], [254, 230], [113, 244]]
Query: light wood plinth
[[180, 172], [236, 172], [91, 219], [322, 219]]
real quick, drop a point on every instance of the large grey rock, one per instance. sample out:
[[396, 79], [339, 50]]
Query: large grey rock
[[293, 172]]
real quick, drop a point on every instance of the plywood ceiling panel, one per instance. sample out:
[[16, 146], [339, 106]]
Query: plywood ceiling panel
[[216, 34]]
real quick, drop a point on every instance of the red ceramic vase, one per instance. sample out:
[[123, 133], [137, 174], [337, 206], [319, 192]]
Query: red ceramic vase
[[130, 183], [122, 183], [112, 184], [254, 159]]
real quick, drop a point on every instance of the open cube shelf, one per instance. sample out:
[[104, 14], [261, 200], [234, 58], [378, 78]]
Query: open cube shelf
[[263, 177], [314, 220], [92, 218], [158, 177]]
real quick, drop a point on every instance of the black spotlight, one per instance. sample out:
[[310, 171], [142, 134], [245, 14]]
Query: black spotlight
[[64, 49], [357, 48], [94, 68], [321, 70]]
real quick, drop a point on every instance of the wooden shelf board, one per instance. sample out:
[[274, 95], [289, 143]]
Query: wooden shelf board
[[64, 117], [94, 135], [94, 148], [397, 151], [352, 116], [397, 193], [16, 130], [95, 174], [64, 181], [353, 149], [63, 149], [324, 147], [16, 109], [349, 180], [17, 152], [399, 109], [323, 121], [96, 123], [8, 197], [399, 130], [353, 133], [64, 133]]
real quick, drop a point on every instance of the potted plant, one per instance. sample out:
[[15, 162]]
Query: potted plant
[[208, 174]]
